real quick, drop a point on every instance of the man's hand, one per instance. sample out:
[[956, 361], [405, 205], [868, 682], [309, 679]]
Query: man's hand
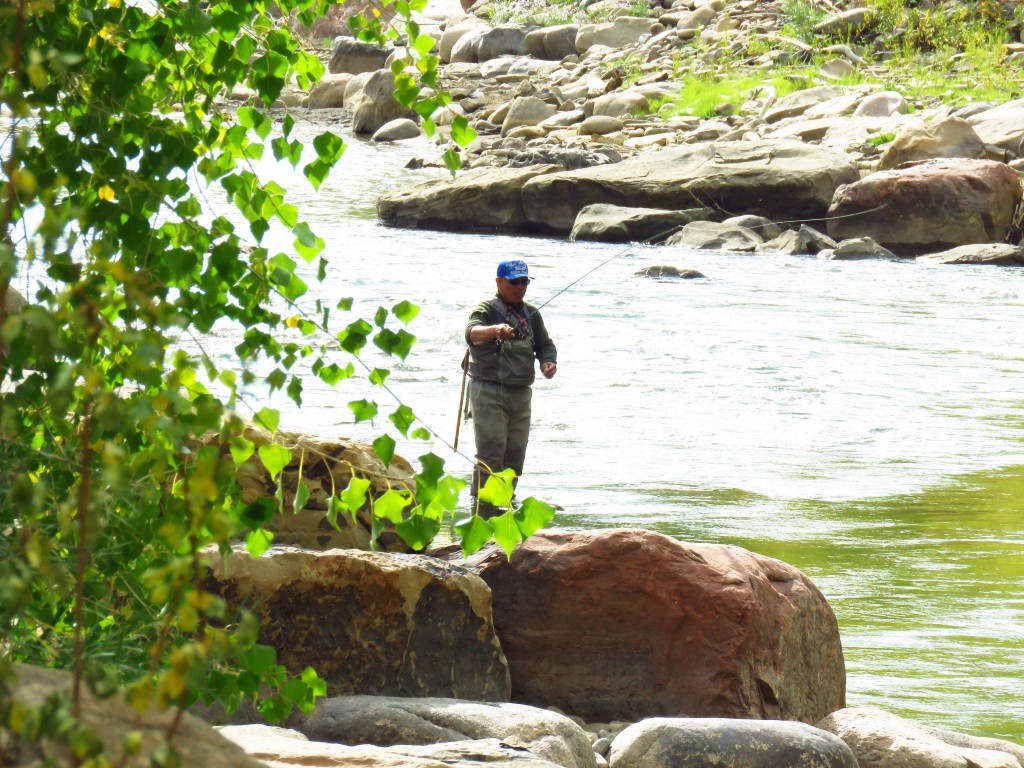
[[481, 334], [548, 369]]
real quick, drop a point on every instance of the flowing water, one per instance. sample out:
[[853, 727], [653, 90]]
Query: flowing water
[[860, 420]]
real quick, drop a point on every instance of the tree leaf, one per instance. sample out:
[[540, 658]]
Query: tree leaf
[[418, 531], [241, 449], [364, 410], [474, 532], [258, 541], [405, 311], [391, 505], [506, 532], [384, 447], [498, 489], [275, 458], [301, 496], [463, 133], [354, 495], [402, 418], [452, 161], [533, 515], [268, 418]]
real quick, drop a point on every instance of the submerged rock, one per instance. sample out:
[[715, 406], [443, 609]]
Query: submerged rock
[[666, 272]]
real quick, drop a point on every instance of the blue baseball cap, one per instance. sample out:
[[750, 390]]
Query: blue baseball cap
[[513, 269]]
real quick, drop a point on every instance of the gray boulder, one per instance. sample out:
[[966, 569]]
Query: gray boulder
[[804, 241], [599, 125], [930, 205], [881, 104], [766, 228], [111, 721], [713, 235], [397, 130], [850, 23], [620, 224], [779, 180], [455, 32], [795, 104], [503, 40], [621, 104], [485, 199], [690, 20], [699, 743], [354, 89], [376, 105], [623, 31], [883, 740], [277, 747], [994, 254], [1002, 126], [948, 137], [552, 43], [387, 721], [465, 49], [516, 65], [329, 93], [353, 56], [526, 111], [856, 248]]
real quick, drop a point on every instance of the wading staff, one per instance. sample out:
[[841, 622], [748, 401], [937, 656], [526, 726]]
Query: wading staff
[[462, 398]]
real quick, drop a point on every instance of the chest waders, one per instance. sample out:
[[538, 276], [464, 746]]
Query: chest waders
[[502, 411]]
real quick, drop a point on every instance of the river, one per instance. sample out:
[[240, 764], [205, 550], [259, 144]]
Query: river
[[860, 420]]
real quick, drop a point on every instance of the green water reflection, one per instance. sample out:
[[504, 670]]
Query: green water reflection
[[928, 587]]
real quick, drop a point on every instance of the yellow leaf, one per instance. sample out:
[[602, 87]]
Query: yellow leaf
[[25, 181], [292, 322], [105, 193], [139, 694], [376, 13]]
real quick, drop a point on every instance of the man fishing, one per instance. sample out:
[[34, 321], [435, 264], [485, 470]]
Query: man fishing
[[505, 336]]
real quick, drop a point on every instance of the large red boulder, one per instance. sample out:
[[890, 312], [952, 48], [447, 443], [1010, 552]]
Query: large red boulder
[[931, 205], [630, 624]]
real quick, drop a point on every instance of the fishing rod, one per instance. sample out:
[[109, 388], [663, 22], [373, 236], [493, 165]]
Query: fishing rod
[[528, 315]]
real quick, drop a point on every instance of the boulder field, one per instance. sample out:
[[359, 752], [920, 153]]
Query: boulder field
[[577, 115]]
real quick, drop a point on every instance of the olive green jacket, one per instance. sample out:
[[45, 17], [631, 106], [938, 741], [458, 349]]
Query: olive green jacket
[[509, 362]]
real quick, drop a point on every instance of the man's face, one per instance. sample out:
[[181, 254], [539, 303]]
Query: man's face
[[512, 291]]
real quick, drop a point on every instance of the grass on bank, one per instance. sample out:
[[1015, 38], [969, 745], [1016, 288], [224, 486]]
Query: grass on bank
[[954, 53]]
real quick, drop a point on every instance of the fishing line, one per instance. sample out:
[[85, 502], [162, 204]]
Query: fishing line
[[672, 230]]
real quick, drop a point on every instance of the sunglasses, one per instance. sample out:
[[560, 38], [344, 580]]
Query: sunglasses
[[520, 281]]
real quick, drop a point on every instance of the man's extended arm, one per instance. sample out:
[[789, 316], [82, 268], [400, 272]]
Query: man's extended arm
[[545, 347]]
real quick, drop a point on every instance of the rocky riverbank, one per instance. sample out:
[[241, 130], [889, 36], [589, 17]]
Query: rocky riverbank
[[583, 131], [619, 648]]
